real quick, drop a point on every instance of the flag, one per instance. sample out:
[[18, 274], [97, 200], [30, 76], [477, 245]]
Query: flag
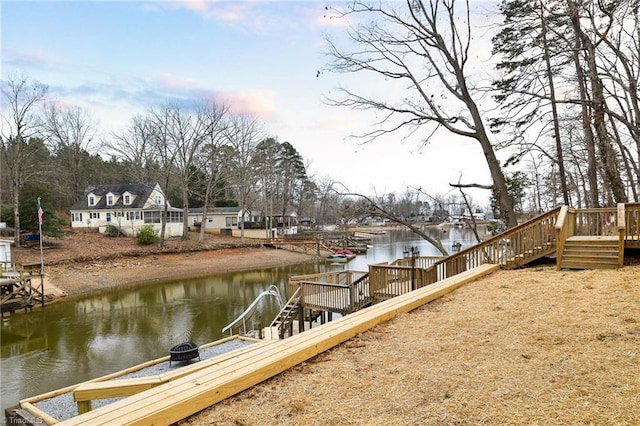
[[40, 213]]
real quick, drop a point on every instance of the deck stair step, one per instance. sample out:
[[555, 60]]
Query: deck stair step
[[284, 320], [590, 252]]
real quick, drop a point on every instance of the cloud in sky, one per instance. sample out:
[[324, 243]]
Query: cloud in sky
[[118, 58]]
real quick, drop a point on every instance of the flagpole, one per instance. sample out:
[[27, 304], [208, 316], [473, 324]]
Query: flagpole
[[40, 214]]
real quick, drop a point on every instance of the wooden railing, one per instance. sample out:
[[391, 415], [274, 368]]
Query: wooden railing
[[340, 298], [597, 222], [616, 222], [284, 320], [538, 237], [512, 248], [632, 225], [419, 262], [337, 277]]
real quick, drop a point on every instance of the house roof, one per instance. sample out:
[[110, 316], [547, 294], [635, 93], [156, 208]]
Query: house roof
[[215, 210], [141, 193]]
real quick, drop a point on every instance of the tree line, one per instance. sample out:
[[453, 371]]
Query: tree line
[[201, 154], [560, 96]]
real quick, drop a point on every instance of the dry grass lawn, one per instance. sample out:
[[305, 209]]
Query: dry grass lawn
[[525, 347]]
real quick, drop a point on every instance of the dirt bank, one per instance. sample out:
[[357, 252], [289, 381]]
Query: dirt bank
[[78, 278], [81, 263]]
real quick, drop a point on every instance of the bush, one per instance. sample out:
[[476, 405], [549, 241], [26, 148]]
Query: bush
[[147, 236], [113, 231]]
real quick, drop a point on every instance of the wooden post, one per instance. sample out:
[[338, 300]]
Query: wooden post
[[621, 218], [561, 235]]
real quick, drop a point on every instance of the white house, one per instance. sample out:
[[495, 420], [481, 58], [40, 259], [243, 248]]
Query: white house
[[228, 220], [125, 206]]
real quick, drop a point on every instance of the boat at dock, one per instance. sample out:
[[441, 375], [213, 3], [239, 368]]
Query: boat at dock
[[341, 256]]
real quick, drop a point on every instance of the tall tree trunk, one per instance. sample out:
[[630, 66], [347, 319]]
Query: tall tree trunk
[[163, 219], [185, 213], [16, 215], [607, 153], [500, 190], [205, 209], [592, 164], [627, 161], [554, 108]]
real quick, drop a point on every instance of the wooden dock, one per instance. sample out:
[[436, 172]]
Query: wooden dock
[[22, 287], [175, 400]]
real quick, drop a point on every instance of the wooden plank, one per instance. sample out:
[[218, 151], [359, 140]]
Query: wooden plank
[[114, 388], [168, 403], [89, 391], [110, 376], [39, 413]]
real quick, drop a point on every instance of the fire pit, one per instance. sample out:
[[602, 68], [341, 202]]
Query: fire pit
[[183, 352]]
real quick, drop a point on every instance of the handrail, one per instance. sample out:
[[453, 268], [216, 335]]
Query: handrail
[[510, 245], [292, 299]]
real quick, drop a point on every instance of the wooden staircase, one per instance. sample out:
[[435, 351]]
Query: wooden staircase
[[590, 252], [285, 318]]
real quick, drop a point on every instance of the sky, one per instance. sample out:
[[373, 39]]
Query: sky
[[116, 59]]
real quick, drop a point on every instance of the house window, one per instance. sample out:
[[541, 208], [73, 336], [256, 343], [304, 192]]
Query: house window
[[109, 200], [76, 217], [174, 217], [108, 217], [231, 221], [152, 217], [118, 214], [127, 199], [158, 199], [94, 215], [92, 200], [133, 216]]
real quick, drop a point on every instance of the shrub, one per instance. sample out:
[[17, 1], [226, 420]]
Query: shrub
[[147, 236], [113, 231]]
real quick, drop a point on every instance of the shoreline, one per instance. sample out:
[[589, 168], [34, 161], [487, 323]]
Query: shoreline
[[85, 278]]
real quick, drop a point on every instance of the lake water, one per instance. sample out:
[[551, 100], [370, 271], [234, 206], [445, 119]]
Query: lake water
[[82, 338]]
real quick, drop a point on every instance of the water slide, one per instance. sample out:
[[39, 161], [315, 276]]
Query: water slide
[[271, 291]]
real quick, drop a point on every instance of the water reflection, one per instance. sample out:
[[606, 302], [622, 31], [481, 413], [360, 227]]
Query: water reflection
[[83, 338]]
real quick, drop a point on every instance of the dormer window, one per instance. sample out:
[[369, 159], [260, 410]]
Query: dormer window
[[126, 199], [110, 199], [92, 200]]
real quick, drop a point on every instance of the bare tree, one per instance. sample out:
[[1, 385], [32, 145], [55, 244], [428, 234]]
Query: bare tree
[[159, 121], [213, 157], [378, 209], [327, 201], [243, 134], [134, 147], [19, 125], [607, 154], [70, 132], [426, 45], [189, 131]]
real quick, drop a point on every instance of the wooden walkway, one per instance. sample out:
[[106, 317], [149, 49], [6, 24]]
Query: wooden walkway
[[170, 402]]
